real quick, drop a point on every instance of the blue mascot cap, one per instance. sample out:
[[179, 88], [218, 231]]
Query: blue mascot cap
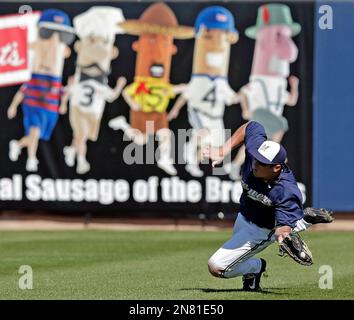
[[216, 17], [56, 20]]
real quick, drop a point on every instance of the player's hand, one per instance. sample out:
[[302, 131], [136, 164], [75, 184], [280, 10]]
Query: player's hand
[[173, 114], [293, 81], [214, 154], [11, 112], [281, 233]]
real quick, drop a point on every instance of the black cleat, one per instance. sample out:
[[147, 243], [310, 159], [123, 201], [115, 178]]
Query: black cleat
[[251, 280], [314, 216]]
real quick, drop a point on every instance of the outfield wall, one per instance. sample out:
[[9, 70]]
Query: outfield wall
[[333, 137], [112, 184]]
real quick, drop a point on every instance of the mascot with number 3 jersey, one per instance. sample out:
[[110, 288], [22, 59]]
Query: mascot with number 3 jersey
[[88, 89]]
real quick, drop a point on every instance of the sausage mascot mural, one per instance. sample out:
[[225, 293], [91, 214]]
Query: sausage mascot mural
[[264, 97], [88, 89], [41, 95], [149, 95], [208, 91]]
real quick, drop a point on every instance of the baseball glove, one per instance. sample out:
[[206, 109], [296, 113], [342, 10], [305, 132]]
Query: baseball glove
[[314, 216], [296, 248]]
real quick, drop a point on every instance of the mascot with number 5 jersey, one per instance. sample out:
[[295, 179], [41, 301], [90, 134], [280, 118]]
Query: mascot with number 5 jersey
[[149, 95], [88, 89]]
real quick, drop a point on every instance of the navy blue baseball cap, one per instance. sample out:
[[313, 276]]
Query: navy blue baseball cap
[[55, 19], [215, 17], [270, 152]]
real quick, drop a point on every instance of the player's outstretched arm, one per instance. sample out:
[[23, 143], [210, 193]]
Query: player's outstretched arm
[[218, 154]]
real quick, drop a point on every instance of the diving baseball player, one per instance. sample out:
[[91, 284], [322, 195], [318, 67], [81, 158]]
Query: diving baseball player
[[270, 207]]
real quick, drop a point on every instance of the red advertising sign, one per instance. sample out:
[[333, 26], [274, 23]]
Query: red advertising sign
[[13, 49], [17, 31]]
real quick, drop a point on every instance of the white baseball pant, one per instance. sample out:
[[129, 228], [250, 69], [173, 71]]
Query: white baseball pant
[[234, 258]]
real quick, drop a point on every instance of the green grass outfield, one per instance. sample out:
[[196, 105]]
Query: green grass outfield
[[92, 264]]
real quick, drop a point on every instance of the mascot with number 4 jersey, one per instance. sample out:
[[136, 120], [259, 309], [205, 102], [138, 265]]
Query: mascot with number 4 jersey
[[208, 90], [88, 89]]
